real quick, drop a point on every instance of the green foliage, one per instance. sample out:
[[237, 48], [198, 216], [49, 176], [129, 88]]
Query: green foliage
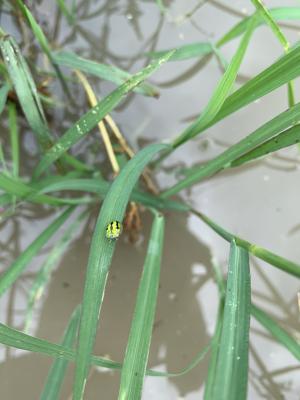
[[135, 360], [81, 184], [231, 370]]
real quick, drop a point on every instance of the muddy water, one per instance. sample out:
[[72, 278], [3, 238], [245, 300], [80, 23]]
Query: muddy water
[[259, 202]]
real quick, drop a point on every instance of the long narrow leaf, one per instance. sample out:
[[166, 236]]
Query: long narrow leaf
[[221, 92], [264, 254], [26, 90], [138, 345], [267, 16], [43, 275], [23, 191], [212, 368], [186, 52], [100, 256], [232, 364], [276, 331], [103, 71], [17, 267], [19, 340], [101, 187], [280, 13], [28, 97], [43, 41], [263, 133], [287, 138], [278, 74], [95, 114], [35, 192], [57, 371]]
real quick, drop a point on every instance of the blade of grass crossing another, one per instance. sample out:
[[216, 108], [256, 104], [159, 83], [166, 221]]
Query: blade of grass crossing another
[[232, 364], [266, 15], [43, 276], [185, 52], [19, 340], [262, 134], [26, 90], [100, 256], [41, 38], [103, 71], [138, 345], [17, 267], [278, 74], [57, 371], [277, 14], [28, 96], [23, 191], [211, 375], [287, 138], [276, 331], [264, 254], [95, 114], [223, 89]]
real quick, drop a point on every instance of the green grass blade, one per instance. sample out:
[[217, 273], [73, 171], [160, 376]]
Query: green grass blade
[[221, 92], [94, 115], [26, 90], [262, 134], [57, 372], [276, 331], [14, 138], [14, 338], [23, 191], [17, 267], [5, 88], [101, 187], [264, 254], [287, 138], [65, 11], [280, 13], [43, 41], [19, 340], [103, 71], [185, 52], [100, 256], [266, 15], [232, 363], [44, 274], [138, 345], [212, 368], [35, 192], [278, 74]]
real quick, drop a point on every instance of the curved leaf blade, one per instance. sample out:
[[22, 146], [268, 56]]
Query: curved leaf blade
[[90, 119], [100, 257]]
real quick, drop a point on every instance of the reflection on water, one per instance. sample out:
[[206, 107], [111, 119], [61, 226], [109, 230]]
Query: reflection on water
[[242, 200]]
